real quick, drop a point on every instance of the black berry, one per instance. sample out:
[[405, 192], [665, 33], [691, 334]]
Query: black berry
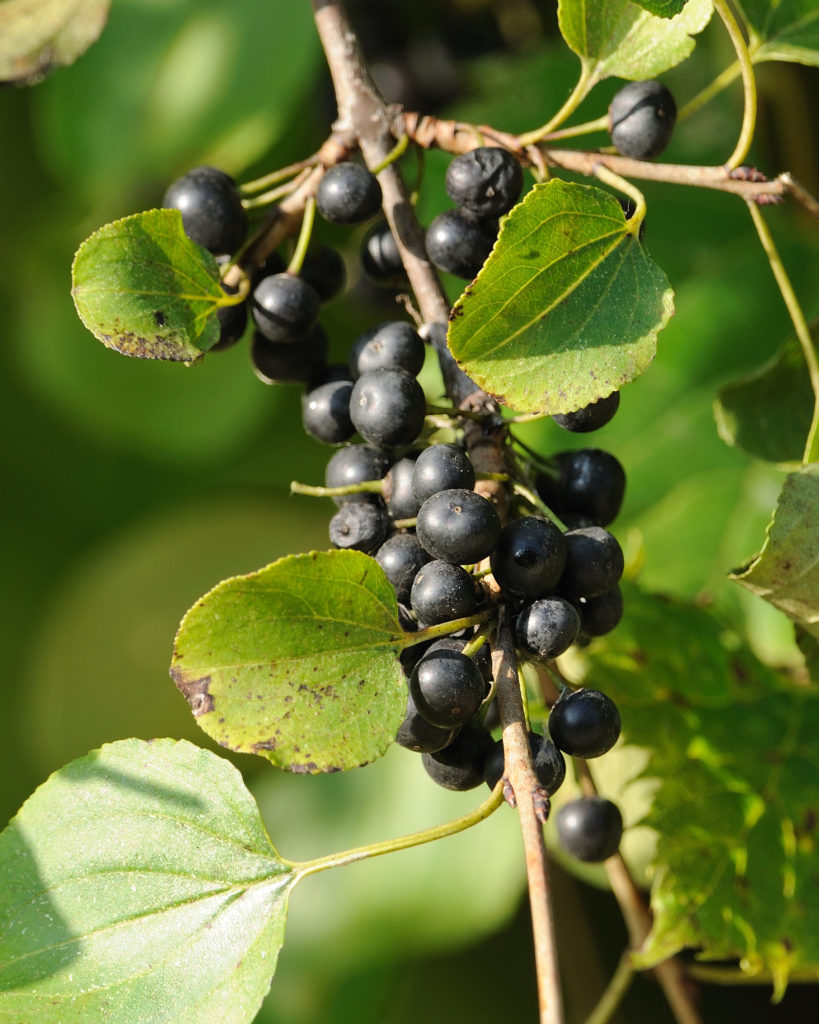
[[402, 558], [584, 723], [594, 562], [590, 417], [398, 492], [380, 257], [458, 525], [441, 467], [590, 828], [486, 181], [348, 194], [359, 527], [388, 407], [641, 119], [529, 557], [547, 761], [285, 362], [284, 307], [325, 412], [447, 688], [394, 343], [546, 628], [416, 733], [353, 465], [587, 482], [459, 766], [459, 245], [442, 592], [212, 211], [324, 269], [599, 615]]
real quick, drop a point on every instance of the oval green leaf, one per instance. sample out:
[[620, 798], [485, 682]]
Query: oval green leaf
[[138, 883], [768, 413], [567, 307], [297, 662], [143, 288], [37, 36], [787, 30], [735, 766], [786, 570], [621, 39]]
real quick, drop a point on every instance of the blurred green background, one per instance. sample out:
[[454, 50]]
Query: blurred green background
[[132, 488]]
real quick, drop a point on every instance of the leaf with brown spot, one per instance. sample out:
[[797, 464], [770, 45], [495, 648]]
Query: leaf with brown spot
[[283, 650]]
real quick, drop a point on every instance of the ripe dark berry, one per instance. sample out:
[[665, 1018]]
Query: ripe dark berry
[[416, 733], [584, 723], [387, 407], [441, 467], [394, 343], [482, 657], [212, 211], [285, 362], [594, 562], [348, 194], [325, 412], [380, 257], [324, 269], [354, 465], [442, 592], [447, 688], [641, 119], [398, 492], [284, 307], [599, 615], [546, 628], [232, 324], [486, 181], [590, 417], [402, 558], [459, 766], [529, 557], [458, 526], [359, 527], [590, 828], [459, 245], [588, 482], [547, 761]]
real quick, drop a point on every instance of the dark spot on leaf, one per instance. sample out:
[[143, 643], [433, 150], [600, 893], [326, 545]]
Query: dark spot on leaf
[[303, 769], [195, 692], [159, 318], [264, 745], [532, 255], [787, 944], [809, 821]]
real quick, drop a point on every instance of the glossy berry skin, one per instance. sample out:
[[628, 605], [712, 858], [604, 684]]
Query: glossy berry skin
[[458, 526], [547, 761], [325, 412], [441, 467], [589, 482], [348, 194], [393, 343], [590, 828], [212, 211], [486, 181], [590, 417], [285, 362], [529, 557], [398, 492], [442, 592], [584, 723], [546, 628], [416, 733], [284, 307], [594, 562], [353, 465], [459, 766], [447, 688], [359, 527], [459, 245], [402, 558], [380, 258], [599, 615], [325, 271], [482, 657], [641, 119], [388, 407]]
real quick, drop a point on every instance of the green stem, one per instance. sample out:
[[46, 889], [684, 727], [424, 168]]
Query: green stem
[[615, 990], [746, 133], [717, 975], [615, 181], [722, 81], [600, 124], [259, 184], [304, 236], [365, 487], [800, 326], [427, 835], [445, 628], [394, 154], [578, 94]]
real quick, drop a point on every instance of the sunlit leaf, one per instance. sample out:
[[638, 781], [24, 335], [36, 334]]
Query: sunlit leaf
[[732, 748], [37, 36], [786, 570], [138, 883], [662, 8], [619, 38], [142, 287], [567, 307], [768, 414], [297, 662]]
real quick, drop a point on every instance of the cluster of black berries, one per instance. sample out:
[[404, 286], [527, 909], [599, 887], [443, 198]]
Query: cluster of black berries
[[413, 505]]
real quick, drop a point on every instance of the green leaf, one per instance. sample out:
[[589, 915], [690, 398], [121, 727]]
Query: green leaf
[[619, 38], [732, 747], [769, 413], [143, 288], [662, 8], [138, 883], [297, 662], [37, 36], [567, 307], [786, 570], [787, 30]]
